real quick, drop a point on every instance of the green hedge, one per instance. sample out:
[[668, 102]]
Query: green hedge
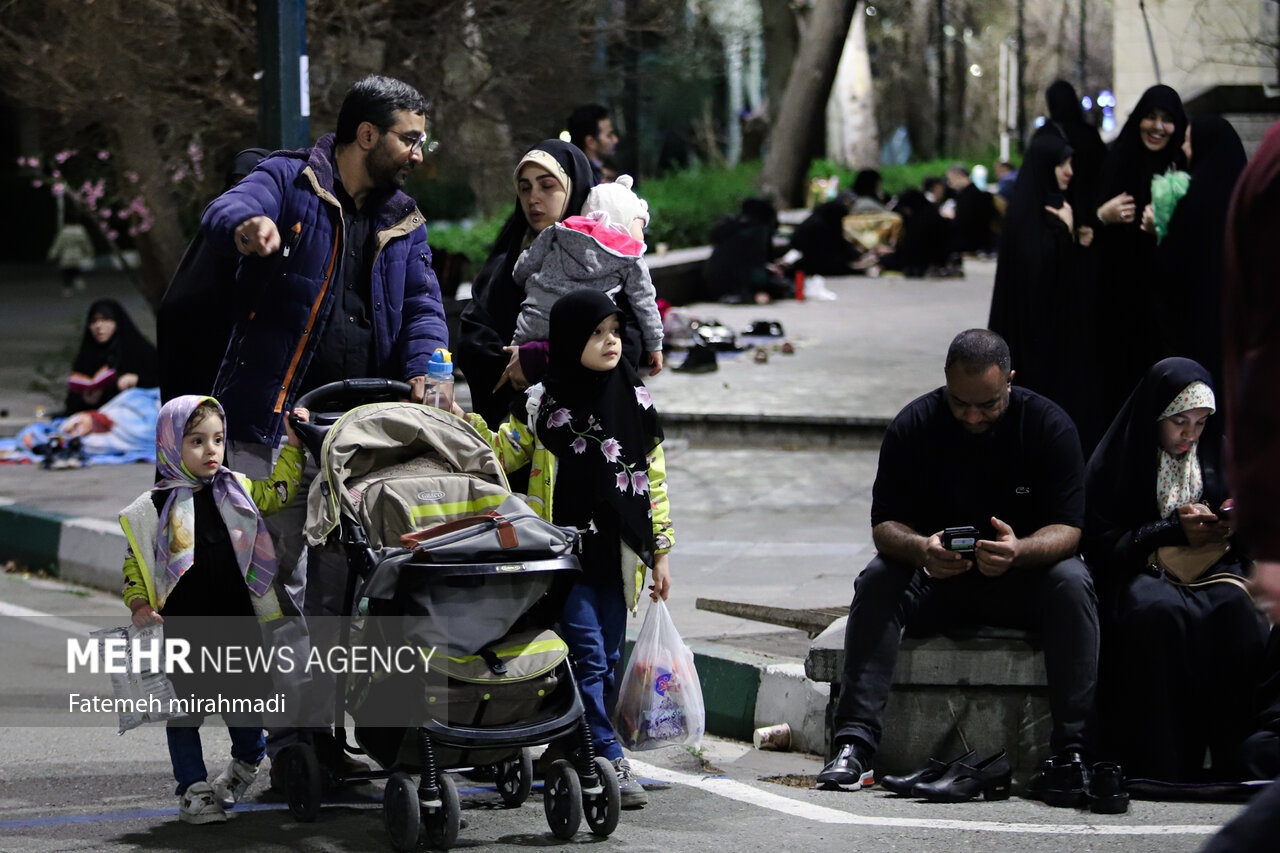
[[684, 206]]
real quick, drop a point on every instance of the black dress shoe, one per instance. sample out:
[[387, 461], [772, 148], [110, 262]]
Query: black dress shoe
[[1106, 789], [850, 770], [989, 777], [1066, 781], [701, 359], [931, 772]]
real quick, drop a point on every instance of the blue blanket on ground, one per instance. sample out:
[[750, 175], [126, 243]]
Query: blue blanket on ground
[[132, 437]]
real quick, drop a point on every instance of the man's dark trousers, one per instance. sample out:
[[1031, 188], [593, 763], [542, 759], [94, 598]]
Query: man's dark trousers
[[890, 596]]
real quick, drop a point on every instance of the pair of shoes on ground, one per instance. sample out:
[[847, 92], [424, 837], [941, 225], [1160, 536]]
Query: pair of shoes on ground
[[1064, 781], [203, 802], [956, 781]]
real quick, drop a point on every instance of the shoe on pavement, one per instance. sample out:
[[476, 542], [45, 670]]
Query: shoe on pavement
[[1106, 789], [850, 770], [1066, 781], [230, 786], [701, 359], [198, 805], [633, 795]]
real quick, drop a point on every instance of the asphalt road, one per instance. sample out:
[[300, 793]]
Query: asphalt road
[[68, 782]]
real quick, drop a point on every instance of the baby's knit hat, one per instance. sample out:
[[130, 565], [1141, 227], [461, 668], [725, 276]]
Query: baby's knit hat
[[617, 200]]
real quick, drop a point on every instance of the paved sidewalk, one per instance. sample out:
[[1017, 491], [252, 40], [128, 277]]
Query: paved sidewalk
[[781, 521]]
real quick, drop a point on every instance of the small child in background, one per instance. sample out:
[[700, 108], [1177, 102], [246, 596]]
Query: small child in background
[[603, 249], [597, 466], [201, 562]]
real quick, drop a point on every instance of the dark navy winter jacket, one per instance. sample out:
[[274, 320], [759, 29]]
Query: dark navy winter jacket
[[284, 300]]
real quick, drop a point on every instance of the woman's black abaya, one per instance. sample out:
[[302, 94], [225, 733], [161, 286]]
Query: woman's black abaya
[[1179, 666], [1190, 259], [1035, 305], [1126, 287]]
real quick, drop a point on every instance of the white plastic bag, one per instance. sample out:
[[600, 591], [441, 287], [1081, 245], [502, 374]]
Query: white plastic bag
[[660, 700], [145, 696]]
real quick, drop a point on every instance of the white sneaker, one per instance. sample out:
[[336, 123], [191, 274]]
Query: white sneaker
[[199, 805], [230, 785]]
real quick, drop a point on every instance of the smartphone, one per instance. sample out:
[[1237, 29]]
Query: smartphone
[[962, 540]]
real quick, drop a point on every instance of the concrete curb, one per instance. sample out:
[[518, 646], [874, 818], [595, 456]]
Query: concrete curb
[[742, 690]]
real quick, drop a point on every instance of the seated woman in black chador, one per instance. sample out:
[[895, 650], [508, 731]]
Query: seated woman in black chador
[[741, 267], [113, 357], [1180, 663], [821, 242]]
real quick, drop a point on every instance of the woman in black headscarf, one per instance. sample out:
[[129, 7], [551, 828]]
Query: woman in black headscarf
[[1190, 257], [1087, 149], [489, 319], [113, 357], [1126, 290], [1035, 305], [1179, 663]]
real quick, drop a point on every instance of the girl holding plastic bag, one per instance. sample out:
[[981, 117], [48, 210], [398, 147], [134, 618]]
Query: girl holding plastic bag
[[597, 465]]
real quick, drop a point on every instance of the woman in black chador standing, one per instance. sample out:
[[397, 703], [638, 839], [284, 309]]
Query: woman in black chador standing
[[1180, 664], [1190, 257], [1087, 150], [1035, 305], [1125, 288]]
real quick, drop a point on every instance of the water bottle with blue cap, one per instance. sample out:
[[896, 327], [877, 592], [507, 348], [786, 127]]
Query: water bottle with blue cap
[[439, 387]]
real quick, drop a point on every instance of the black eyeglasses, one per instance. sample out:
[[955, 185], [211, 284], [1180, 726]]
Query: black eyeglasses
[[416, 141]]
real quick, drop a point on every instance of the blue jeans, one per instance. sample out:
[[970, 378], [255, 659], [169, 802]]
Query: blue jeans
[[248, 744], [593, 624]]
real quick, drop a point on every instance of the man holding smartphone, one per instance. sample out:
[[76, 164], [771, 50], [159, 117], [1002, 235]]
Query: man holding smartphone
[[1005, 462]]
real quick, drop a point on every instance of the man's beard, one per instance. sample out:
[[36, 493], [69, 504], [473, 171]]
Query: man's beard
[[384, 171]]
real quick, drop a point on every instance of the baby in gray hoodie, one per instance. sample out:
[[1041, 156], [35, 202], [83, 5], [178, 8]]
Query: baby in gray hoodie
[[602, 249]]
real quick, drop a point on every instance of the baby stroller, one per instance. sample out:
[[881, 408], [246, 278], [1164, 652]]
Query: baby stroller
[[443, 560]]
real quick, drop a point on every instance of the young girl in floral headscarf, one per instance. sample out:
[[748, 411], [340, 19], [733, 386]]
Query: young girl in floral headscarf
[[200, 561], [597, 465]]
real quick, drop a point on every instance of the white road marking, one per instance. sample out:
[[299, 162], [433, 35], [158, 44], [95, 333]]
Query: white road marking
[[45, 620], [744, 793]]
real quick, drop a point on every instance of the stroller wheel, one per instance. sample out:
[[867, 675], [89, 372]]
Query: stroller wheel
[[302, 781], [442, 823], [401, 813], [602, 810], [562, 799], [514, 778]]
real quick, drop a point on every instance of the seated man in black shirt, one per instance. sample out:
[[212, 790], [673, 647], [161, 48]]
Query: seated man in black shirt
[[976, 452]]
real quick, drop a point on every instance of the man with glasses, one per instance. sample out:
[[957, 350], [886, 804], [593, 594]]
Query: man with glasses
[[591, 129], [334, 282]]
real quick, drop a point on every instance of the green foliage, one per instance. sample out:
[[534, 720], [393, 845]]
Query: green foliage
[[685, 205], [473, 239], [899, 178]]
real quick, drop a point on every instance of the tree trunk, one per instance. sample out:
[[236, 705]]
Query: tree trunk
[[851, 117], [159, 249], [808, 87], [778, 25]]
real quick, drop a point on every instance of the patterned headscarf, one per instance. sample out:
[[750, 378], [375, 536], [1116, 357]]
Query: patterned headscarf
[[1179, 479], [175, 545]]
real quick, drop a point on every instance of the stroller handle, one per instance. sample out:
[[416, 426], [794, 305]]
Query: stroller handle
[[356, 391]]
